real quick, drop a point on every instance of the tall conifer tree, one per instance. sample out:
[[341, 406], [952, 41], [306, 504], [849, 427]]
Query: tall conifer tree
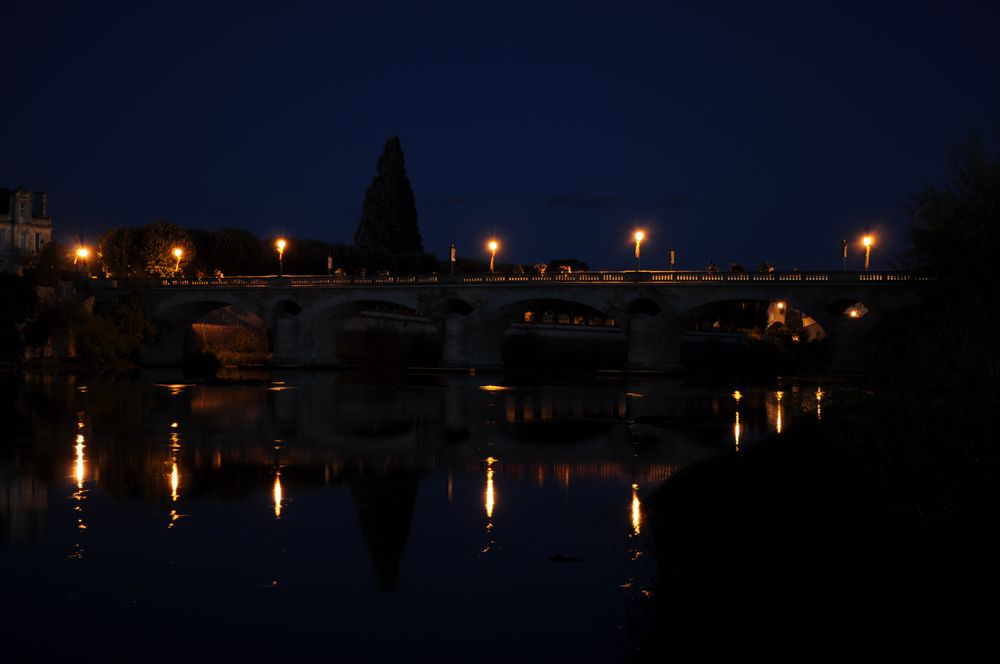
[[388, 222]]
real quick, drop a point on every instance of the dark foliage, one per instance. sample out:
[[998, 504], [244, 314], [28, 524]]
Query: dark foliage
[[158, 243], [388, 225], [573, 264], [18, 302], [55, 264], [955, 229], [955, 238], [119, 253]]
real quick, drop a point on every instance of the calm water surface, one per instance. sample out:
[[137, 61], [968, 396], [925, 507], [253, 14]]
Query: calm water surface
[[346, 515]]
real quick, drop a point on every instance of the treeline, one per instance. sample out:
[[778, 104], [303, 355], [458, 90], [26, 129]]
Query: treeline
[[131, 252]]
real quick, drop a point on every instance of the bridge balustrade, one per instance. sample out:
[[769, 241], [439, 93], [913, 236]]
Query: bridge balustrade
[[595, 278]]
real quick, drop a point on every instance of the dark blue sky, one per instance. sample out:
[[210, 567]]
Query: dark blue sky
[[731, 131]]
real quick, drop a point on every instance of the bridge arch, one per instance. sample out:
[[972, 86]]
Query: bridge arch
[[651, 309], [373, 330], [546, 329], [644, 306], [231, 328]]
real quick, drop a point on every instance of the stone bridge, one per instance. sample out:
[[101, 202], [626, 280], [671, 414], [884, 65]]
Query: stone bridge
[[652, 310]]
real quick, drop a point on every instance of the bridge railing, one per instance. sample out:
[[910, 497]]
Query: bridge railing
[[677, 277]]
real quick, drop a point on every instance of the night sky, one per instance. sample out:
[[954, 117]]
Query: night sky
[[730, 131]]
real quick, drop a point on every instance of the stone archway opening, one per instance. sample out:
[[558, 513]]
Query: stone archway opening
[[752, 336], [373, 333], [204, 335], [560, 334], [230, 334], [848, 309]]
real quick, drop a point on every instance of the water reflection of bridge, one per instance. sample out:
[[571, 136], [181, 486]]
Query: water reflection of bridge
[[172, 445]]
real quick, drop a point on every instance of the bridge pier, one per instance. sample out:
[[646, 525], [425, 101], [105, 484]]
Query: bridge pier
[[483, 341], [472, 312], [285, 345], [654, 343], [168, 348], [847, 340], [641, 352], [454, 351]]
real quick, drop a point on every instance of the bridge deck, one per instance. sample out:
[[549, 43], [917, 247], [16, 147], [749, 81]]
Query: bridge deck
[[577, 278]]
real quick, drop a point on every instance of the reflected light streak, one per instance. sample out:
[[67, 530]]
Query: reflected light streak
[[636, 514], [175, 480], [779, 394], [277, 495], [79, 473], [490, 500], [737, 395], [79, 467], [736, 431], [819, 403], [493, 388]]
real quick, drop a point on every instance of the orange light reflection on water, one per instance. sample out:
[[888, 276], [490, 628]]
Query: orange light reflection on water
[[175, 480], [636, 512], [490, 499], [277, 495]]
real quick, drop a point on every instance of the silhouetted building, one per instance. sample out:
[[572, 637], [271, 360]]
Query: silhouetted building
[[25, 227]]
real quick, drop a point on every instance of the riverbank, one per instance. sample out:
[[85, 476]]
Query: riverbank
[[874, 526]]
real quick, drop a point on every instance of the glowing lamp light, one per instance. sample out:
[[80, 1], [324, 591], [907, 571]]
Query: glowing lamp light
[[867, 241], [493, 245], [177, 252], [638, 236], [781, 306], [280, 245]]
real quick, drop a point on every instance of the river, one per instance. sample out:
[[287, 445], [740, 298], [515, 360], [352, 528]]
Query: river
[[348, 514]]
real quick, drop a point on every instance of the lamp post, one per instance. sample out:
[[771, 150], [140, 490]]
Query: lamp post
[[639, 237], [868, 241], [673, 258], [844, 253], [82, 254], [492, 246], [281, 244], [177, 252]]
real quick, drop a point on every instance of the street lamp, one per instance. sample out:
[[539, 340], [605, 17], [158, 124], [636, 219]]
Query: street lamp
[[82, 254], [492, 246], [639, 237], [178, 252], [281, 244], [868, 240]]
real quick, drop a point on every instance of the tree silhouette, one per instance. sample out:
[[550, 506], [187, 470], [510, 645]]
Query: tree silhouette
[[158, 243], [955, 230], [388, 226]]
